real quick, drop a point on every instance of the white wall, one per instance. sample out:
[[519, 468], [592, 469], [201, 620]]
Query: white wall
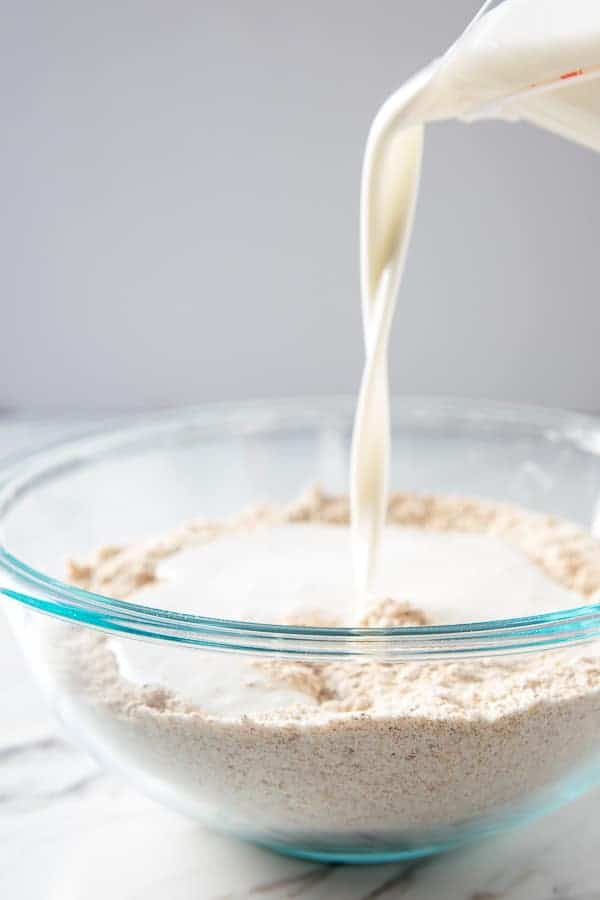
[[179, 188]]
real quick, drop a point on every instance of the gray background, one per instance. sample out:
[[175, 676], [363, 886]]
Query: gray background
[[179, 186]]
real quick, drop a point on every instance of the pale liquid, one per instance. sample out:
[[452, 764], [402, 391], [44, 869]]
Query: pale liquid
[[296, 572], [508, 65], [531, 59]]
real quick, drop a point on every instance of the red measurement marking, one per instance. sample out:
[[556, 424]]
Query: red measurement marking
[[571, 74]]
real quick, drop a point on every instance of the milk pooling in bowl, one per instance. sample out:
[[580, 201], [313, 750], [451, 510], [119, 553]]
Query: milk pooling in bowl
[[537, 60]]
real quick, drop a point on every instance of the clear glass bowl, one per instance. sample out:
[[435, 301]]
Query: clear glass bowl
[[273, 784]]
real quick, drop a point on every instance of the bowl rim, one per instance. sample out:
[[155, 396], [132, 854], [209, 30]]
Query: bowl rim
[[51, 596]]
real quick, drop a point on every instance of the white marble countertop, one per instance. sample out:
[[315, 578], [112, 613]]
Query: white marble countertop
[[68, 831]]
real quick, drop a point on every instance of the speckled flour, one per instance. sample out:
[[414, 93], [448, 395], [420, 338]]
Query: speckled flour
[[381, 751]]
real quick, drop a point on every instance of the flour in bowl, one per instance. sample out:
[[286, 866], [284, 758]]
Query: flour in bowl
[[354, 752]]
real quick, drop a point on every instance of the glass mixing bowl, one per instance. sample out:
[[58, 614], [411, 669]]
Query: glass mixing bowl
[[317, 792]]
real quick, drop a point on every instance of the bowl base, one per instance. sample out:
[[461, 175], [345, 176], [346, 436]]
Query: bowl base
[[357, 856]]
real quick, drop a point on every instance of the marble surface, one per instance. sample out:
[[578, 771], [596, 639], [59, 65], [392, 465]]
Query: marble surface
[[69, 831]]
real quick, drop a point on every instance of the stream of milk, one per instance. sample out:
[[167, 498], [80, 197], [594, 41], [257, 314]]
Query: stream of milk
[[537, 60], [526, 59]]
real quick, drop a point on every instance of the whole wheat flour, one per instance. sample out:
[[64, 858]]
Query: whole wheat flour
[[366, 751]]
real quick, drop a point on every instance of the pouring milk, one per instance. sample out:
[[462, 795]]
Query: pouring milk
[[530, 59], [537, 60]]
